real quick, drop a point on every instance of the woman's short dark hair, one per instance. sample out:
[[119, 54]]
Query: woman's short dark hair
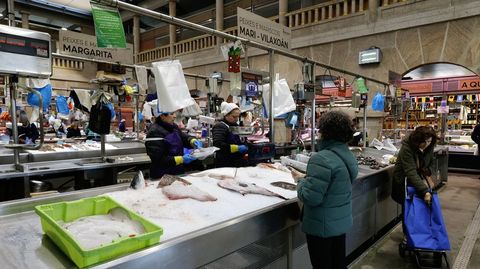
[[336, 125], [421, 134]]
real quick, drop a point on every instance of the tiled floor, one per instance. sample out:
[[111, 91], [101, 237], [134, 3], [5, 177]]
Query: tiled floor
[[460, 199]]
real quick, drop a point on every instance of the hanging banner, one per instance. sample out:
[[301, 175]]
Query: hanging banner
[[108, 27], [85, 46], [469, 84], [263, 30]]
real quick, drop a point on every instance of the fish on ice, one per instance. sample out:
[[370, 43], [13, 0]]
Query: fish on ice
[[167, 180], [138, 181], [277, 166], [180, 190], [212, 175], [245, 188], [284, 185]]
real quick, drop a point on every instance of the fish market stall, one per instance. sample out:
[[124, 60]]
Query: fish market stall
[[461, 149], [234, 231], [80, 163]]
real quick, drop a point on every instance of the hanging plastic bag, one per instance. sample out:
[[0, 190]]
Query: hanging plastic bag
[[100, 118], [46, 92], [35, 114], [192, 111], [235, 84], [70, 103], [360, 85], [282, 97], [112, 110], [378, 102], [172, 88], [62, 106]]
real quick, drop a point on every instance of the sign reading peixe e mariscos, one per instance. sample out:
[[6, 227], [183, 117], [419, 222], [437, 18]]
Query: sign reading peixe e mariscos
[[85, 46], [262, 30]]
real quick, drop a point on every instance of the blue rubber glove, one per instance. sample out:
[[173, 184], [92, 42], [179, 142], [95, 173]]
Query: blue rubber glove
[[187, 158], [242, 149], [187, 151], [197, 144]]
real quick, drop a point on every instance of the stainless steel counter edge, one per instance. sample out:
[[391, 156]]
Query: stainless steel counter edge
[[28, 204], [69, 165]]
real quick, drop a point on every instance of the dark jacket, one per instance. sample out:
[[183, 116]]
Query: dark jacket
[[26, 132], [222, 139], [326, 190], [476, 134], [73, 132], [162, 152], [406, 166]]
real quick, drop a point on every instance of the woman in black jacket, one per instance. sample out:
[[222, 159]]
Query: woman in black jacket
[[232, 150], [165, 143], [27, 132]]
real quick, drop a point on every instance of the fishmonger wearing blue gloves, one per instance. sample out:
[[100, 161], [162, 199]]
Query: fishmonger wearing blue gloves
[[232, 150], [165, 143]]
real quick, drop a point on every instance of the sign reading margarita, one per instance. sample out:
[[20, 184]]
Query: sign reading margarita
[[262, 30], [85, 46]]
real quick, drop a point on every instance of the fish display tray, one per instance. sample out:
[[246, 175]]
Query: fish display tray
[[51, 214]]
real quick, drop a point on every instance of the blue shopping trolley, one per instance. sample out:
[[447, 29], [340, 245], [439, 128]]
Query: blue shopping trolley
[[425, 230]]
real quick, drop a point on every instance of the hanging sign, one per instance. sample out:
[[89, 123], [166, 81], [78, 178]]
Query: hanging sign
[[263, 30], [85, 46], [108, 27], [469, 84]]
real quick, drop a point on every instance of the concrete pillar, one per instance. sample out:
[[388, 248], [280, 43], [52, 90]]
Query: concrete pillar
[[172, 9], [282, 12], [136, 37], [25, 16], [373, 9], [219, 15], [11, 13]]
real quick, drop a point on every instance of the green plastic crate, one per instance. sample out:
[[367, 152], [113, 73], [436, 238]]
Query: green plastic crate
[[50, 214]]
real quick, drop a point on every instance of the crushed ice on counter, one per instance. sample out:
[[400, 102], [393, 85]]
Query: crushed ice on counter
[[178, 217], [94, 231]]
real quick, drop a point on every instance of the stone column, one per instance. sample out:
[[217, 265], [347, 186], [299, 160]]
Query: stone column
[[172, 9], [25, 16], [219, 15], [136, 37], [282, 12], [373, 9]]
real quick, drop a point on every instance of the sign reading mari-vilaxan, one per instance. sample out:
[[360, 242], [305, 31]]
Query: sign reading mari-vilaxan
[[85, 46], [262, 30]]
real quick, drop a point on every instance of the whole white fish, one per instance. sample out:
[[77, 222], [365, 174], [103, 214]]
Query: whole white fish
[[167, 180], [138, 181], [179, 190], [244, 188]]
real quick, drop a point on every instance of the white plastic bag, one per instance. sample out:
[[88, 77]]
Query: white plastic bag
[[388, 145], [203, 153], [235, 84], [142, 78], [172, 89], [282, 97], [192, 111], [376, 144]]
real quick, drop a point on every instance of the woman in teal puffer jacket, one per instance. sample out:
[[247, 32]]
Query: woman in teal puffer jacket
[[326, 191]]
